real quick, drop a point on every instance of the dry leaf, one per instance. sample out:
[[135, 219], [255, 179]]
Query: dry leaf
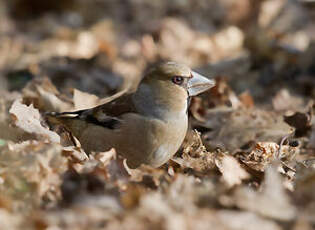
[[235, 129], [84, 100], [44, 96], [28, 119], [262, 48], [272, 201], [246, 99], [195, 154], [285, 101], [302, 122], [76, 154], [32, 170], [232, 172], [10, 221]]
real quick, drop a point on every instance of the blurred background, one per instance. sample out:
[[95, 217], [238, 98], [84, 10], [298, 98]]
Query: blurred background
[[256, 122], [102, 46]]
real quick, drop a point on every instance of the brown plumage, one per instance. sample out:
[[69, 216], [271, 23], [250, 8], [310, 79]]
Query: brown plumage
[[147, 126]]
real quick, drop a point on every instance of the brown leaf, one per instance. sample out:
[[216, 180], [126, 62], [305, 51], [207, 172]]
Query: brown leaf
[[285, 101], [234, 129], [28, 119], [301, 122], [32, 170], [246, 99], [76, 154], [271, 202], [231, 170], [84, 100], [195, 154], [263, 153], [197, 109], [44, 96]]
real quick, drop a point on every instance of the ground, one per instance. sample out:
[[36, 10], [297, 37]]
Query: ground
[[248, 160]]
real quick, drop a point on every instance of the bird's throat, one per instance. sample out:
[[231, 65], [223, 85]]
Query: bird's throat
[[160, 102]]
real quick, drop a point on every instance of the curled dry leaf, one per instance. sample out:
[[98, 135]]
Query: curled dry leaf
[[195, 154], [223, 95], [28, 119], [112, 165], [302, 122], [76, 154], [7, 131], [84, 100], [147, 175], [264, 153], [44, 96], [231, 170], [197, 109], [95, 160], [107, 165]]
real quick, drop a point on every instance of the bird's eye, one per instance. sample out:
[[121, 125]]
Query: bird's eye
[[178, 80]]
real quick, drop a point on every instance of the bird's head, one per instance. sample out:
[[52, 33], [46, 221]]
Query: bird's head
[[170, 84]]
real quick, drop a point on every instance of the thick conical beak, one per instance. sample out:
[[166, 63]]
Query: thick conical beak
[[198, 84]]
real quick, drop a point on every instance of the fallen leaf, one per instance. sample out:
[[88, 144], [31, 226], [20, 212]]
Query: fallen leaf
[[76, 154], [44, 96], [246, 99], [272, 201], [301, 122], [234, 129], [9, 220], [32, 170], [28, 119], [285, 101], [195, 155], [231, 170], [84, 100]]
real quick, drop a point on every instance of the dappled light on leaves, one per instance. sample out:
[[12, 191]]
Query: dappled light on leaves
[[248, 159]]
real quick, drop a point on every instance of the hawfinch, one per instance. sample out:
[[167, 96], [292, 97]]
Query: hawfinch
[[147, 126]]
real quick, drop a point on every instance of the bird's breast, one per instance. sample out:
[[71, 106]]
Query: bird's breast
[[170, 142], [152, 141]]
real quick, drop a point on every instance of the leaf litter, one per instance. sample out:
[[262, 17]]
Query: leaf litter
[[248, 159]]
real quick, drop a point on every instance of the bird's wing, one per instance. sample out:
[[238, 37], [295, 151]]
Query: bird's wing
[[106, 115]]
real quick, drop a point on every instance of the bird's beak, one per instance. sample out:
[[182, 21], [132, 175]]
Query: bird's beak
[[198, 84]]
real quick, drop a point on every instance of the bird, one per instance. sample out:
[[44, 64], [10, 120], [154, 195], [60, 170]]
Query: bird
[[146, 126]]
